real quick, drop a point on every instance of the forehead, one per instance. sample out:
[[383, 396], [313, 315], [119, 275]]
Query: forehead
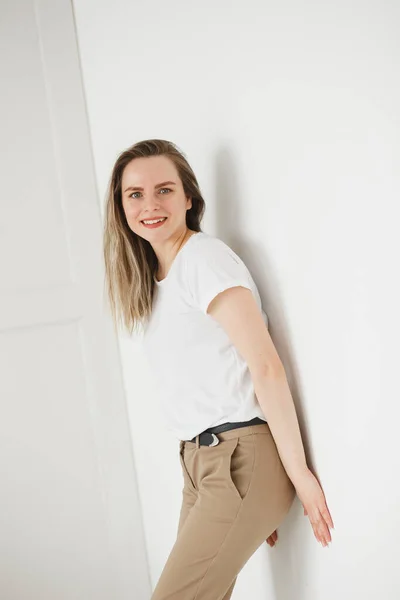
[[152, 169]]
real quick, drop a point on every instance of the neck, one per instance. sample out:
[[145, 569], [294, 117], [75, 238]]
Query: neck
[[166, 256]]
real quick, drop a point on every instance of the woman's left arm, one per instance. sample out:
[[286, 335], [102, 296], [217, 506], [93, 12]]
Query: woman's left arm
[[238, 313]]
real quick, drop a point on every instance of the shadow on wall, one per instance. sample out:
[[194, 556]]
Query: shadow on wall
[[289, 580]]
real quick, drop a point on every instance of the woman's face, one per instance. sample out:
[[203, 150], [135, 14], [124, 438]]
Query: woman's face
[[151, 189]]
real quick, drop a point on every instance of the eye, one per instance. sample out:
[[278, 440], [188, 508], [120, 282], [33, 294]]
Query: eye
[[133, 193]]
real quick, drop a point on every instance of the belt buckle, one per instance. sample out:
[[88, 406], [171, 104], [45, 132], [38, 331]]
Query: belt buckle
[[215, 440]]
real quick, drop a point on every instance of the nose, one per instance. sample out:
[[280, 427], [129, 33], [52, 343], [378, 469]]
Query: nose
[[151, 202]]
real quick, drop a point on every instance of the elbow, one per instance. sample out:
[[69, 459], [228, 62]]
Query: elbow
[[274, 370]]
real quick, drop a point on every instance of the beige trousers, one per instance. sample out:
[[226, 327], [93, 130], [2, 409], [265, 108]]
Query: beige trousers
[[235, 495]]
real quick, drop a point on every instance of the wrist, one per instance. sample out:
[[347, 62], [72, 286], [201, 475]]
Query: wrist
[[298, 474]]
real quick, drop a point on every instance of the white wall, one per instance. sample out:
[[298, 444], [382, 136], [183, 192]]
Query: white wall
[[289, 114]]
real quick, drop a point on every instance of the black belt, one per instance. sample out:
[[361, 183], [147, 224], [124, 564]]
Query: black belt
[[208, 437]]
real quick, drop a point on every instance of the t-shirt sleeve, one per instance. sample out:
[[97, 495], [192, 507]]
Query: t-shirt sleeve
[[213, 268]]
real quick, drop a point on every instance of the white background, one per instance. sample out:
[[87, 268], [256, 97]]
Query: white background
[[289, 115]]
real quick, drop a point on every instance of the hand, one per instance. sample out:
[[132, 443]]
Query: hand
[[314, 504], [272, 538]]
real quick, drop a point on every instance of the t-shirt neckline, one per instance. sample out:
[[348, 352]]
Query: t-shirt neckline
[[163, 281]]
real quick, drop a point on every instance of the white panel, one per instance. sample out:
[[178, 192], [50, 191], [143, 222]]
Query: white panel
[[70, 517], [52, 517], [32, 225]]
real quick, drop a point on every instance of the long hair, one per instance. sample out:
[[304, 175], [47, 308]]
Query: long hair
[[130, 261]]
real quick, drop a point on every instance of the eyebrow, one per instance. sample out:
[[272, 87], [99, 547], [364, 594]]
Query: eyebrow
[[133, 188]]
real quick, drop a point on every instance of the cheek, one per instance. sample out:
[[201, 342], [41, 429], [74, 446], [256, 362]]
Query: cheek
[[131, 211]]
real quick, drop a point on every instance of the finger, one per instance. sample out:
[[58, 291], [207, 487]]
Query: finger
[[326, 521], [320, 528], [327, 516], [324, 510], [319, 537], [273, 538], [323, 531]]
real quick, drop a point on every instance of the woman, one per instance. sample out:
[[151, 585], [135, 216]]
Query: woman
[[223, 389]]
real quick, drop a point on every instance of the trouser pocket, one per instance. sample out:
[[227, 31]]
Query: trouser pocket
[[239, 464], [227, 467], [186, 476]]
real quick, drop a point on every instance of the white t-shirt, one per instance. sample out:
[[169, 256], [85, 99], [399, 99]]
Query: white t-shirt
[[202, 379]]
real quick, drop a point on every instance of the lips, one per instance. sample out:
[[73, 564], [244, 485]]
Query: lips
[[154, 225]]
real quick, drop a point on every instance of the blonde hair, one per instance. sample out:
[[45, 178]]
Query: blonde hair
[[130, 261]]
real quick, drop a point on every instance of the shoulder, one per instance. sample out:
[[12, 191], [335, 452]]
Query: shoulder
[[211, 267], [208, 247]]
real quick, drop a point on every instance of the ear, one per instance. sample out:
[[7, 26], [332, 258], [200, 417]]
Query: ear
[[189, 202]]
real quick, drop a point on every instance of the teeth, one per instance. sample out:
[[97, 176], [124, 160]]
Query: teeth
[[154, 221]]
